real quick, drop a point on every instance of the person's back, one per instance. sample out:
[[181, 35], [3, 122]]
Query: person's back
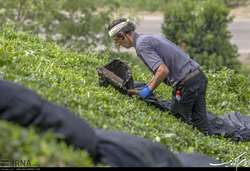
[[178, 62]]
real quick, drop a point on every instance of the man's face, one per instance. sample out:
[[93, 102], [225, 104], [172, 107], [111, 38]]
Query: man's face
[[122, 40]]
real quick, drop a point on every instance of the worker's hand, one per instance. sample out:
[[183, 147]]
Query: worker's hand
[[145, 92]]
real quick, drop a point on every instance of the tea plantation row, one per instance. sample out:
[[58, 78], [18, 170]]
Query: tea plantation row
[[70, 79]]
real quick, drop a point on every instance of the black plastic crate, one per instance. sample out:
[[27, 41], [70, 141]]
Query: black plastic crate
[[116, 73]]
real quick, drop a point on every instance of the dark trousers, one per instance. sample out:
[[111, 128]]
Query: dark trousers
[[191, 107]]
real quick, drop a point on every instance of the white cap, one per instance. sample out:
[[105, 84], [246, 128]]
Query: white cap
[[117, 28]]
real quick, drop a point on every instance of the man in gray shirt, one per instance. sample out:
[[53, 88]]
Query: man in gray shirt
[[169, 64]]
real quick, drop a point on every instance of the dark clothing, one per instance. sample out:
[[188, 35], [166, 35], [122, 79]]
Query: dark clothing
[[192, 104]]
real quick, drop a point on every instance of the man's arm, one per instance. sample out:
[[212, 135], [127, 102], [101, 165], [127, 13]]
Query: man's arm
[[152, 59], [160, 74]]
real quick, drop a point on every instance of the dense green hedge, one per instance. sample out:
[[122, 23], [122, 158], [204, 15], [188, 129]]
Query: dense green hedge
[[70, 79], [24, 148], [200, 27]]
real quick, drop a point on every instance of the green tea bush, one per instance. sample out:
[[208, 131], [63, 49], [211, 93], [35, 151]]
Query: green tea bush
[[233, 92], [18, 144], [200, 28], [70, 79]]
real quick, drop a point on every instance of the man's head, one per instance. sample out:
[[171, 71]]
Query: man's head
[[121, 31]]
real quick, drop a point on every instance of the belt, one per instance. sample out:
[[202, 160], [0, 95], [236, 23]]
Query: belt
[[188, 76]]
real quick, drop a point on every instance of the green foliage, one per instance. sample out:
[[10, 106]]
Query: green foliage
[[233, 92], [200, 28], [18, 143], [70, 79], [138, 5], [144, 5], [246, 69], [75, 24]]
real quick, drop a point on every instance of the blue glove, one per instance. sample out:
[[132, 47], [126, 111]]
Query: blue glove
[[145, 92]]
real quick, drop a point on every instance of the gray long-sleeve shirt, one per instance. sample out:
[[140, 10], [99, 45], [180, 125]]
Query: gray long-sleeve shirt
[[155, 50]]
